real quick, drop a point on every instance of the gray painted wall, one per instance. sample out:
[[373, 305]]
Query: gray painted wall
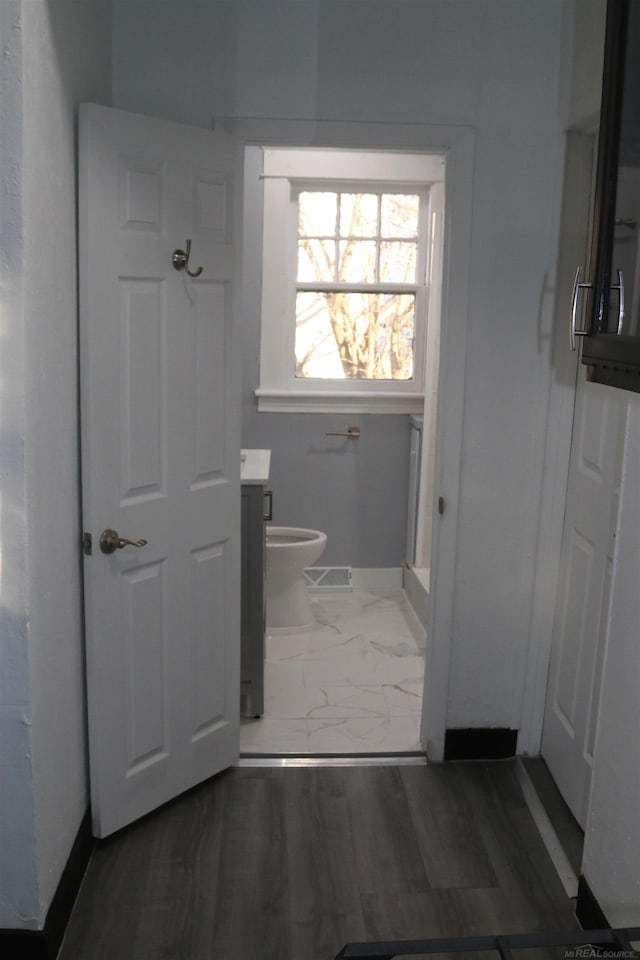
[[54, 55], [354, 490]]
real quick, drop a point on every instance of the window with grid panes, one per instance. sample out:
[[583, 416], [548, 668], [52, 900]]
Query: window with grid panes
[[358, 272], [347, 269]]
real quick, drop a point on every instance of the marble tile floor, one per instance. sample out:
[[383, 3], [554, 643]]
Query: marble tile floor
[[352, 684]]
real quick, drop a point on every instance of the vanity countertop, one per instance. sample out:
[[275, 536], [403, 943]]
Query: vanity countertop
[[254, 466]]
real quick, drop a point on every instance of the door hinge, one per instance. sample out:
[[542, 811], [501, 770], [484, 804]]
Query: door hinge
[[440, 505], [86, 544]]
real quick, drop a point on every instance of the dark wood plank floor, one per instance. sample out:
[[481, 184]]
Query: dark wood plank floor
[[292, 863]]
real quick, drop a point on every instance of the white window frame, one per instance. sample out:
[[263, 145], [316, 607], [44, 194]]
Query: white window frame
[[287, 172]]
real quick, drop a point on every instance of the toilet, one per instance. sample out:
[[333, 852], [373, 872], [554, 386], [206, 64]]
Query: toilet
[[289, 551]]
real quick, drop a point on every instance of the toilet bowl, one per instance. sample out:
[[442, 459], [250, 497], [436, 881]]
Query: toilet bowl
[[289, 551]]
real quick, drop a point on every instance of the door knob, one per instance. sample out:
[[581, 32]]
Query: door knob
[[110, 541]]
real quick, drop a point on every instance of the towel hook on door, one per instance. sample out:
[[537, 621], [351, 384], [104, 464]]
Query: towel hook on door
[[180, 261]]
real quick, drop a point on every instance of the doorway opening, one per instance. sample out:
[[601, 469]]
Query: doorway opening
[[349, 248]]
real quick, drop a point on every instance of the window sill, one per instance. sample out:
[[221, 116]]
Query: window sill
[[289, 401]]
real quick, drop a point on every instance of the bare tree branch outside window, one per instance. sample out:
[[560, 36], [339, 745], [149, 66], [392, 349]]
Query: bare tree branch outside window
[[358, 250]]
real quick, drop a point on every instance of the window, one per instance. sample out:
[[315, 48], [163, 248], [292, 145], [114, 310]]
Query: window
[[348, 267], [357, 285]]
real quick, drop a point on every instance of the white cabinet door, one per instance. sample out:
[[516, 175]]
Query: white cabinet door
[[160, 457], [582, 602]]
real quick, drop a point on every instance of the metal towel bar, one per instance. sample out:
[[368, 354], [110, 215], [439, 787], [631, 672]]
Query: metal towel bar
[[352, 433]]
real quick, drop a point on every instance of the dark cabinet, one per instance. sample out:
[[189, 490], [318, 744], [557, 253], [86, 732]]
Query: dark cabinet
[[611, 333], [252, 592]]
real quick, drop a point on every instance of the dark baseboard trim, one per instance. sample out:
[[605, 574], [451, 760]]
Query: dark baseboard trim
[[588, 911], [493, 743], [44, 944]]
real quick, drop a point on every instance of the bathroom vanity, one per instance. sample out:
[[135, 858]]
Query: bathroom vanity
[[256, 510]]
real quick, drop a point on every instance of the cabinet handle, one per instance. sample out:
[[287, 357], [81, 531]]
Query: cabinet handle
[[577, 286], [268, 503], [619, 286]]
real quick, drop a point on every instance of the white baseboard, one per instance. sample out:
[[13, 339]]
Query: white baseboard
[[416, 586], [377, 578]]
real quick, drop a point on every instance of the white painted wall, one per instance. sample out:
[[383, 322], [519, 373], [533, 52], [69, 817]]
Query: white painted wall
[[59, 54], [492, 65], [18, 873], [578, 106]]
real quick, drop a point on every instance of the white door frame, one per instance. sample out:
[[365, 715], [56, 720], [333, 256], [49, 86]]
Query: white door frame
[[457, 143], [572, 250]]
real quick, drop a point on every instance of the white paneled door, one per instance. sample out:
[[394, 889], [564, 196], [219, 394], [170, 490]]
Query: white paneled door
[[160, 457], [582, 602]]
